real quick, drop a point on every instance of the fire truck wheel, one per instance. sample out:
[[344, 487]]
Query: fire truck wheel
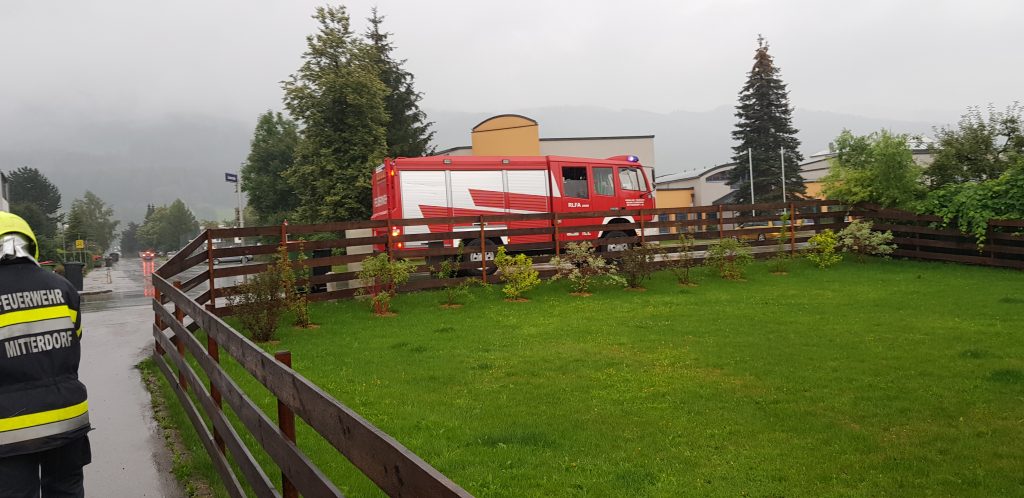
[[490, 250], [617, 247]]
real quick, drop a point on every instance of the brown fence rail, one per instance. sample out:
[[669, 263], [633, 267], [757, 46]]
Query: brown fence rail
[[201, 290], [927, 237], [391, 466], [338, 248]]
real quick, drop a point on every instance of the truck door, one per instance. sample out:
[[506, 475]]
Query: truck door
[[633, 189], [573, 180]]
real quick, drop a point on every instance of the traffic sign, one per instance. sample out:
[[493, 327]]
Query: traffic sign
[[79, 244]]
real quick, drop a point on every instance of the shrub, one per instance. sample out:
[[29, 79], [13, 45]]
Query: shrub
[[780, 260], [638, 263], [294, 294], [681, 266], [381, 278], [729, 257], [582, 266], [453, 293], [259, 304], [517, 272], [821, 249], [859, 239]]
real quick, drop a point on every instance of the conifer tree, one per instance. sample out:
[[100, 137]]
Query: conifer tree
[[338, 97], [764, 128], [408, 133]]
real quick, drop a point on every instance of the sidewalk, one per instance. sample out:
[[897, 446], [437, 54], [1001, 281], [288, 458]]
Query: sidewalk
[[129, 456]]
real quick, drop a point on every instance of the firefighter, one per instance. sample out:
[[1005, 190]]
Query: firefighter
[[44, 414]]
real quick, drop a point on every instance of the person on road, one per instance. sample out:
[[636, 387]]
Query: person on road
[[44, 413]]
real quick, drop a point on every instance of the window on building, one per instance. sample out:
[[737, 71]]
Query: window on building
[[629, 178], [603, 184], [574, 182], [721, 176]]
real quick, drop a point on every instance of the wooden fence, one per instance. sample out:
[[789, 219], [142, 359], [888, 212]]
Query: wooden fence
[[391, 466], [190, 294], [921, 236], [546, 234]]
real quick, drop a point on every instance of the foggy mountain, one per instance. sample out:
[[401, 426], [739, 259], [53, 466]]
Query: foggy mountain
[[133, 162]]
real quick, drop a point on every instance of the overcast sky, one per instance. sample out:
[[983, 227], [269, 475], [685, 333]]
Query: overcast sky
[[909, 60]]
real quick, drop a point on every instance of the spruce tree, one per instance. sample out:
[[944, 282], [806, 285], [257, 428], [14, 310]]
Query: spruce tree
[[408, 132], [338, 97], [764, 128]]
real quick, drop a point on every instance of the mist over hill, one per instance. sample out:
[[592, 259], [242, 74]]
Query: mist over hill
[[131, 162]]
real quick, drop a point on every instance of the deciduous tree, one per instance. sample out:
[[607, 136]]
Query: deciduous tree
[[130, 238], [90, 218], [878, 168], [980, 148], [168, 227], [338, 97]]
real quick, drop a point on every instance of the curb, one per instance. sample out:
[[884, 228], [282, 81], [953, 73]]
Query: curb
[[94, 293]]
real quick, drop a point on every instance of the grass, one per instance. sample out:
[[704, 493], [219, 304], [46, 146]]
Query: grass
[[883, 378]]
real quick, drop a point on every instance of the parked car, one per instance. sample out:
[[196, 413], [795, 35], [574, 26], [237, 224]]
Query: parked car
[[232, 259]]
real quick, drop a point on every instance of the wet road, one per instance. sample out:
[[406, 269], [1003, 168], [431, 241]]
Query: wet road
[[129, 456]]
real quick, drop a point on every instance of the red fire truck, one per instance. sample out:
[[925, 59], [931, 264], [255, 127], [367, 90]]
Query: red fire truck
[[447, 186]]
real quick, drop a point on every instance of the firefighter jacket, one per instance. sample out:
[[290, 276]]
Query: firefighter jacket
[[42, 403]]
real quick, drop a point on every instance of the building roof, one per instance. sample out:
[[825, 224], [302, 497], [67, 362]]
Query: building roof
[[571, 139], [452, 149], [690, 175], [555, 139], [480, 125], [917, 144]]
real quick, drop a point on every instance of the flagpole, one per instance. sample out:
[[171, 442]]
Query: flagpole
[[782, 158]]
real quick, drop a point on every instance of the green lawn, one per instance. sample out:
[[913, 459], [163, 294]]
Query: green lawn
[[886, 378]]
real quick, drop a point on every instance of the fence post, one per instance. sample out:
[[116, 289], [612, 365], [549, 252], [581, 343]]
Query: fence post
[[387, 248], [558, 247], [286, 422], [990, 243], [792, 229], [214, 351], [212, 305], [721, 222], [159, 323], [179, 315], [483, 252], [642, 240]]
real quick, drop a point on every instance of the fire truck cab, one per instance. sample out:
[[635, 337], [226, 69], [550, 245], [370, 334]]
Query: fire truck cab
[[449, 186]]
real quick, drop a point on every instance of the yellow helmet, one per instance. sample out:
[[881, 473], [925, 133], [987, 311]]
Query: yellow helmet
[[12, 223]]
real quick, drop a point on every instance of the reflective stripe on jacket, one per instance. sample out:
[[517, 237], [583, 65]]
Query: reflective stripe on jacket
[[42, 402]]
